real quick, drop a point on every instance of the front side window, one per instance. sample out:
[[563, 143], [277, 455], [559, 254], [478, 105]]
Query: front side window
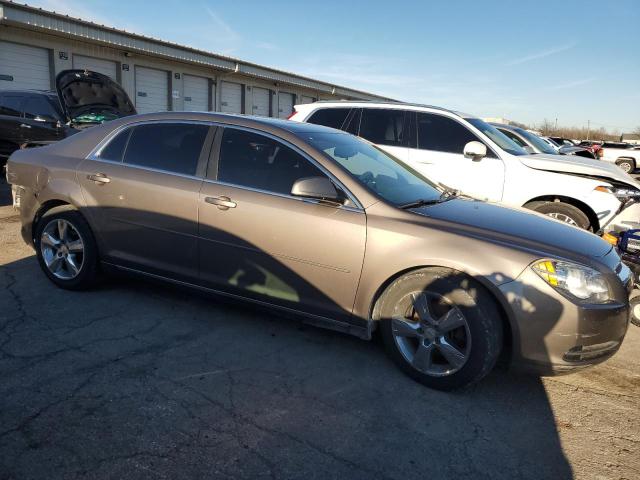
[[442, 134], [10, 105], [171, 147], [383, 126], [537, 142], [252, 160], [329, 117], [39, 106], [513, 137], [375, 169]]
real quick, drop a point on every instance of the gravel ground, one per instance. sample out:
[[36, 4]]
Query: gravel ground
[[136, 380]]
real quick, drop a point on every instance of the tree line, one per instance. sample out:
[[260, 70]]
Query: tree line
[[549, 129]]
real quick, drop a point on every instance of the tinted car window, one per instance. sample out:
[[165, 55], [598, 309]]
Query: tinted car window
[[513, 137], [115, 148], [252, 160], [39, 106], [173, 147], [442, 134], [383, 127], [329, 117], [10, 105]]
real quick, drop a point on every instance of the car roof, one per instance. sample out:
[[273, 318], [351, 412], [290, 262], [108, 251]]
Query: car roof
[[382, 104], [50, 93]]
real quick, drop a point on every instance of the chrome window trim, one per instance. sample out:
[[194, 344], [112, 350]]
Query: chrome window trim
[[94, 156]]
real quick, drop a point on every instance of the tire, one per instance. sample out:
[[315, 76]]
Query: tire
[[626, 164], [634, 307], [448, 295], [73, 262], [564, 212]]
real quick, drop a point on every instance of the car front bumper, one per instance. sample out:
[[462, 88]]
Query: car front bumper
[[554, 335]]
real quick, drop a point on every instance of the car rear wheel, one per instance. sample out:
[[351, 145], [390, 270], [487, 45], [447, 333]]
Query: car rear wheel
[[66, 249], [627, 165], [440, 327], [564, 212]]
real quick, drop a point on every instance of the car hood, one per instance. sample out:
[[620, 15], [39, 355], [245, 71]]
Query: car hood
[[91, 97], [578, 166], [516, 226]]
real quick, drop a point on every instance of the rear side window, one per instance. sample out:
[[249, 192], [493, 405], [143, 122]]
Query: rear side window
[[330, 117], [383, 127], [172, 147], [11, 105], [39, 106], [114, 150], [442, 134], [252, 160]]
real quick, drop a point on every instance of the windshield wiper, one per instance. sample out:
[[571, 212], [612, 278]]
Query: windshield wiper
[[447, 194]]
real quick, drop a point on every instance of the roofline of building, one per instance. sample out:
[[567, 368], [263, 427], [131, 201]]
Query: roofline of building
[[26, 16]]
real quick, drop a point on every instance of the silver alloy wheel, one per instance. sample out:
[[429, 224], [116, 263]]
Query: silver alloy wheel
[[625, 166], [62, 249], [563, 218], [431, 333]]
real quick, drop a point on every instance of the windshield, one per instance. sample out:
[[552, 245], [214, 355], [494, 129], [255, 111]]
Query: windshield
[[497, 136], [537, 142], [378, 171]]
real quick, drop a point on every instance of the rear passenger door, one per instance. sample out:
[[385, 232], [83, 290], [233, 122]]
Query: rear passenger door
[[259, 241], [439, 155], [141, 192]]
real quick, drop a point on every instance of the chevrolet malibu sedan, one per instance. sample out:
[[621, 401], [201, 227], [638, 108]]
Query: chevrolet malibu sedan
[[324, 225]]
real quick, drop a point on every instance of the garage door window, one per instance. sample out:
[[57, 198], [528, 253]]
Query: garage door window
[[171, 147], [251, 160], [384, 127], [442, 134], [330, 117]]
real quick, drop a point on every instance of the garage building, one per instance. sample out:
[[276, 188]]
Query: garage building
[[36, 44]]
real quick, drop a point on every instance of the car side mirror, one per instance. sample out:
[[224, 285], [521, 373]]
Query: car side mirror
[[45, 119], [475, 150], [320, 188]]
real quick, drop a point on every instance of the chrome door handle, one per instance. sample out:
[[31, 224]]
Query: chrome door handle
[[24, 125], [99, 178], [223, 203]]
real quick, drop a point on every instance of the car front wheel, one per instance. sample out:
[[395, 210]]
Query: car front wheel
[[626, 165], [564, 212], [440, 327]]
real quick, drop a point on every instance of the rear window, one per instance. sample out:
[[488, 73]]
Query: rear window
[[329, 117]]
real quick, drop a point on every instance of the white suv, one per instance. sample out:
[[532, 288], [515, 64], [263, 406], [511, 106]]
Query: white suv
[[466, 153]]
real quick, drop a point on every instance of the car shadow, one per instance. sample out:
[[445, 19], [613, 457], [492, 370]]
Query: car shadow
[[134, 378]]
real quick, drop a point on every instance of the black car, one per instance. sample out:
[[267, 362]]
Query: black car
[[36, 117]]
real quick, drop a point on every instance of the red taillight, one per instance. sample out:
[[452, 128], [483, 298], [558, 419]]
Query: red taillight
[[292, 114]]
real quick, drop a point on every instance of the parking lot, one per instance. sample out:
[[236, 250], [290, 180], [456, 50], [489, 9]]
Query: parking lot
[[135, 380]]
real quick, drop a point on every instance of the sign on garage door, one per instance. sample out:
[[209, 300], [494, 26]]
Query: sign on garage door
[[285, 104], [231, 97], [261, 101], [152, 90], [105, 67], [23, 67], [306, 99], [196, 93]]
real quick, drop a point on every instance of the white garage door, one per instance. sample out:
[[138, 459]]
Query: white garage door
[[231, 97], [196, 93], [152, 90], [306, 99], [261, 101], [105, 67], [285, 104], [23, 67]]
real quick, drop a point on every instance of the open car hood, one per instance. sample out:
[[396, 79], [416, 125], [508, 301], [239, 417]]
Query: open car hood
[[579, 166], [91, 97]]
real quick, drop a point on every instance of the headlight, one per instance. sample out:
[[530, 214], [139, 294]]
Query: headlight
[[582, 283], [620, 192]]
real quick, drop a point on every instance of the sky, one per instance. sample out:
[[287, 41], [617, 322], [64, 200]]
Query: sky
[[571, 60]]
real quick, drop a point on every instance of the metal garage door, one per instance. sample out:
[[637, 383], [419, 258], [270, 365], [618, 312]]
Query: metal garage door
[[106, 67], [306, 99], [261, 101], [285, 104], [24, 67], [152, 90], [196, 93], [231, 97]]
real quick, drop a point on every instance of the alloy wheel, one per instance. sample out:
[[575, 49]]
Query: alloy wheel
[[432, 334], [563, 218], [62, 249]]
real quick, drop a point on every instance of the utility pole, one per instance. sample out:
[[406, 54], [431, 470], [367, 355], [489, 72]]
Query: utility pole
[[555, 128], [588, 128]]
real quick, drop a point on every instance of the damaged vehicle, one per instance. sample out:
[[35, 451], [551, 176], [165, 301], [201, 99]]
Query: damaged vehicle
[[468, 154], [30, 118]]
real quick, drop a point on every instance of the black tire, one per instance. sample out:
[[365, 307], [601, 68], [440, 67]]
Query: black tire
[[634, 308], [471, 299], [88, 270], [562, 211], [626, 164]]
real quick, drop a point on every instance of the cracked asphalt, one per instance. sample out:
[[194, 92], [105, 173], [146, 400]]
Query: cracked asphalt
[[136, 380]]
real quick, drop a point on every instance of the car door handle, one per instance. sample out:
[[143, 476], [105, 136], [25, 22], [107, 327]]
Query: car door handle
[[223, 203], [24, 125], [99, 178]]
